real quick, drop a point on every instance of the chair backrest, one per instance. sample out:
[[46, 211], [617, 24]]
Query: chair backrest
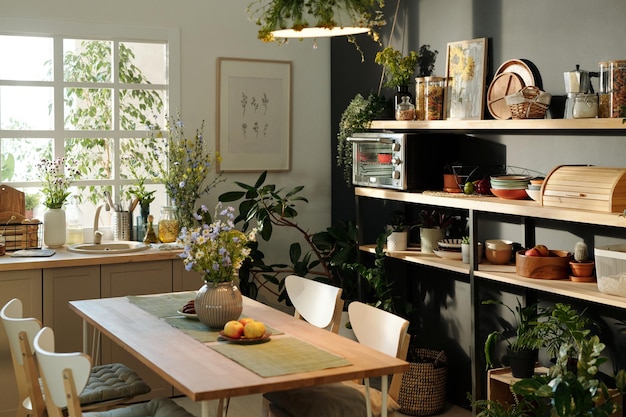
[[383, 331], [318, 303], [21, 333], [64, 375]]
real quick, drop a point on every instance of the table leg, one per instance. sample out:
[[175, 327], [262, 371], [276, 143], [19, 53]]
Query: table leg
[[219, 412], [384, 386]]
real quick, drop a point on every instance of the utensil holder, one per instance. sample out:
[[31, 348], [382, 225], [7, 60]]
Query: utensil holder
[[120, 221]]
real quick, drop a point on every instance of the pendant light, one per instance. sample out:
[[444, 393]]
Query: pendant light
[[283, 19]]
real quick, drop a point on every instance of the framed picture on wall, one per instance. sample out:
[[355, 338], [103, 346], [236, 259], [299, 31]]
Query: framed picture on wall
[[465, 74], [253, 115]]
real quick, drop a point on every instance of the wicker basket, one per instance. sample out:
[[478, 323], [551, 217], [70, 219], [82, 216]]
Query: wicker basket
[[423, 388], [529, 103]]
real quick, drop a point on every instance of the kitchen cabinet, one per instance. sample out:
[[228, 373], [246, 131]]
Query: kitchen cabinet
[[479, 210], [25, 285]]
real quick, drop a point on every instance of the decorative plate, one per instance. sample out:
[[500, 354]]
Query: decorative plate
[[448, 254], [245, 340], [191, 316], [450, 243]]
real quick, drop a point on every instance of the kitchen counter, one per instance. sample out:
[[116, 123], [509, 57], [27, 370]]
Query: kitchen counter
[[64, 258]]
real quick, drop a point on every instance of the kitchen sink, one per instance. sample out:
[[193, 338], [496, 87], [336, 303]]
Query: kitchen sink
[[108, 247]]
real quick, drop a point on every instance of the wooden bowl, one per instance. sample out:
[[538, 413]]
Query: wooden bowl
[[555, 266]]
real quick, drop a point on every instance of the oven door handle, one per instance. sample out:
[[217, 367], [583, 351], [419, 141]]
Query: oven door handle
[[378, 139]]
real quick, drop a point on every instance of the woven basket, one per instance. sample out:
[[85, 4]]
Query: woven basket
[[528, 103], [423, 388]]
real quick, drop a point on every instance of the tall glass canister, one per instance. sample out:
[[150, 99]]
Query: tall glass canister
[[617, 85], [420, 112], [603, 90], [434, 97], [168, 225]]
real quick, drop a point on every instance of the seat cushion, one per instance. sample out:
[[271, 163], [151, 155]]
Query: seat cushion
[[160, 407], [345, 399], [110, 382]]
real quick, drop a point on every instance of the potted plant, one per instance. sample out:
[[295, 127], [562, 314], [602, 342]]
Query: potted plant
[[398, 232], [398, 70], [579, 392], [357, 117], [582, 268], [527, 335], [565, 326], [433, 225]]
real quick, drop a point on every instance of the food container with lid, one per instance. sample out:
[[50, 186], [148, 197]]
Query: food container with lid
[[585, 106]]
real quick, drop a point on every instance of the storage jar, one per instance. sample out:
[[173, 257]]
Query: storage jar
[[617, 87], [433, 97], [585, 106], [419, 98], [168, 225], [405, 110]]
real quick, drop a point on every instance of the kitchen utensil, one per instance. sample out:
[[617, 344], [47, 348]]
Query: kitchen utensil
[[578, 81], [503, 85]]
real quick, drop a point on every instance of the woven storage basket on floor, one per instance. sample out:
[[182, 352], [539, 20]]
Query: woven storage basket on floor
[[529, 103], [423, 388]]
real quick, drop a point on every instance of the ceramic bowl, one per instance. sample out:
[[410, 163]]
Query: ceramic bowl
[[498, 251], [510, 194], [534, 194]]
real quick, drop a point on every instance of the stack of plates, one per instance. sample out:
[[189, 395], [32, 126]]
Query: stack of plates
[[449, 249], [512, 187], [534, 189]]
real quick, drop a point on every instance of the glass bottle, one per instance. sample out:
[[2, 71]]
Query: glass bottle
[[168, 225], [75, 223], [405, 110], [150, 236]]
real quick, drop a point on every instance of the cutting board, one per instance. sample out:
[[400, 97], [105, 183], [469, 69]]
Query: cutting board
[[11, 200]]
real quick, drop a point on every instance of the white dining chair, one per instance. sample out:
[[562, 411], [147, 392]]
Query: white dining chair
[[65, 375], [108, 385], [318, 303], [374, 328]]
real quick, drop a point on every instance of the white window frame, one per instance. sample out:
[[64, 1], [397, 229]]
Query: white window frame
[[109, 32]]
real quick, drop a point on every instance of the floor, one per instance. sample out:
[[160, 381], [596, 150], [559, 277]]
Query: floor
[[250, 406]]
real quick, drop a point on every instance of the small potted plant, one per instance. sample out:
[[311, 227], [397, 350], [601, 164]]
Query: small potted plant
[[398, 233], [582, 268], [433, 225], [565, 326], [399, 71], [523, 339]]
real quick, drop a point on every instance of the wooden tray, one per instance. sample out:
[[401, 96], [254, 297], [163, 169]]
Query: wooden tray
[[503, 85]]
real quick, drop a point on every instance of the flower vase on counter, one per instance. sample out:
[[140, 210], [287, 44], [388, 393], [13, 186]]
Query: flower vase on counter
[[54, 228]]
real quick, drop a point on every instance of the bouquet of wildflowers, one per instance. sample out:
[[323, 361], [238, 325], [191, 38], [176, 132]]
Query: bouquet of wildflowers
[[189, 166], [56, 181], [217, 249]]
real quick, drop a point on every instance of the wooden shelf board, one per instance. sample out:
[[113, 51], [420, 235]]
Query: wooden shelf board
[[429, 259], [601, 126], [491, 204]]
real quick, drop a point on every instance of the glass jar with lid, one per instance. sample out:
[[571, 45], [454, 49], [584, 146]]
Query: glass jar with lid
[[168, 225], [433, 97], [405, 110], [617, 87], [585, 106], [419, 98]]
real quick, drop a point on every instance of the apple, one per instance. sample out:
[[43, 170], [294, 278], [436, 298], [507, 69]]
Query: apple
[[543, 250], [532, 252], [245, 320], [254, 330], [233, 329]]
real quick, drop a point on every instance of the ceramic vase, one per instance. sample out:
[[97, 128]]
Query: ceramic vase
[[54, 228], [429, 238], [397, 241], [216, 304]]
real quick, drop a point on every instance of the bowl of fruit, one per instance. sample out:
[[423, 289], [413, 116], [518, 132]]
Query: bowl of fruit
[[542, 263]]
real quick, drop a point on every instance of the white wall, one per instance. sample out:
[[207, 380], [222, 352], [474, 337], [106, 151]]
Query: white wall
[[220, 28]]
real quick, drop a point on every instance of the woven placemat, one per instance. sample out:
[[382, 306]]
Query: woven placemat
[[162, 305], [280, 356], [453, 195]]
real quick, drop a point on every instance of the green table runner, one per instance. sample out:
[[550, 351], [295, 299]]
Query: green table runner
[[165, 306], [280, 356]]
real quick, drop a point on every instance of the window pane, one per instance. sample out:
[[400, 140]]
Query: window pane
[[26, 108], [17, 65], [19, 157], [87, 61], [93, 156], [139, 109], [137, 159], [149, 59], [88, 109]]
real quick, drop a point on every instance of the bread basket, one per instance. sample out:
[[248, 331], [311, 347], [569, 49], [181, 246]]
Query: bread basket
[[529, 103]]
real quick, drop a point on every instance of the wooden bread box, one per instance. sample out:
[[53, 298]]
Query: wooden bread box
[[586, 188]]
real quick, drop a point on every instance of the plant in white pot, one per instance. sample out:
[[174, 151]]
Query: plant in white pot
[[398, 233]]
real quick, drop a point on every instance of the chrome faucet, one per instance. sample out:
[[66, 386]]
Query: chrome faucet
[[97, 234]]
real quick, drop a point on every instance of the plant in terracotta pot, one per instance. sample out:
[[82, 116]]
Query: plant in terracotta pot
[[582, 267], [523, 338]]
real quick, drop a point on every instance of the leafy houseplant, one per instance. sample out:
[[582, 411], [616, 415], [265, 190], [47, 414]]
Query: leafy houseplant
[[399, 69], [426, 61], [565, 327], [527, 333], [357, 117]]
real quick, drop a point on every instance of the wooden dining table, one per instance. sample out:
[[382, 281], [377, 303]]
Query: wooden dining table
[[203, 369]]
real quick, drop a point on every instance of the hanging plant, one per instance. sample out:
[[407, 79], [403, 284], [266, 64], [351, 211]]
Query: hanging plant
[[302, 14], [355, 118]]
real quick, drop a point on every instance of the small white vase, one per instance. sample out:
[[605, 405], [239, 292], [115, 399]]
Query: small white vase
[[429, 238], [54, 228]]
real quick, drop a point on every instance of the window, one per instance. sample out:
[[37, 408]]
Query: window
[[89, 93]]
